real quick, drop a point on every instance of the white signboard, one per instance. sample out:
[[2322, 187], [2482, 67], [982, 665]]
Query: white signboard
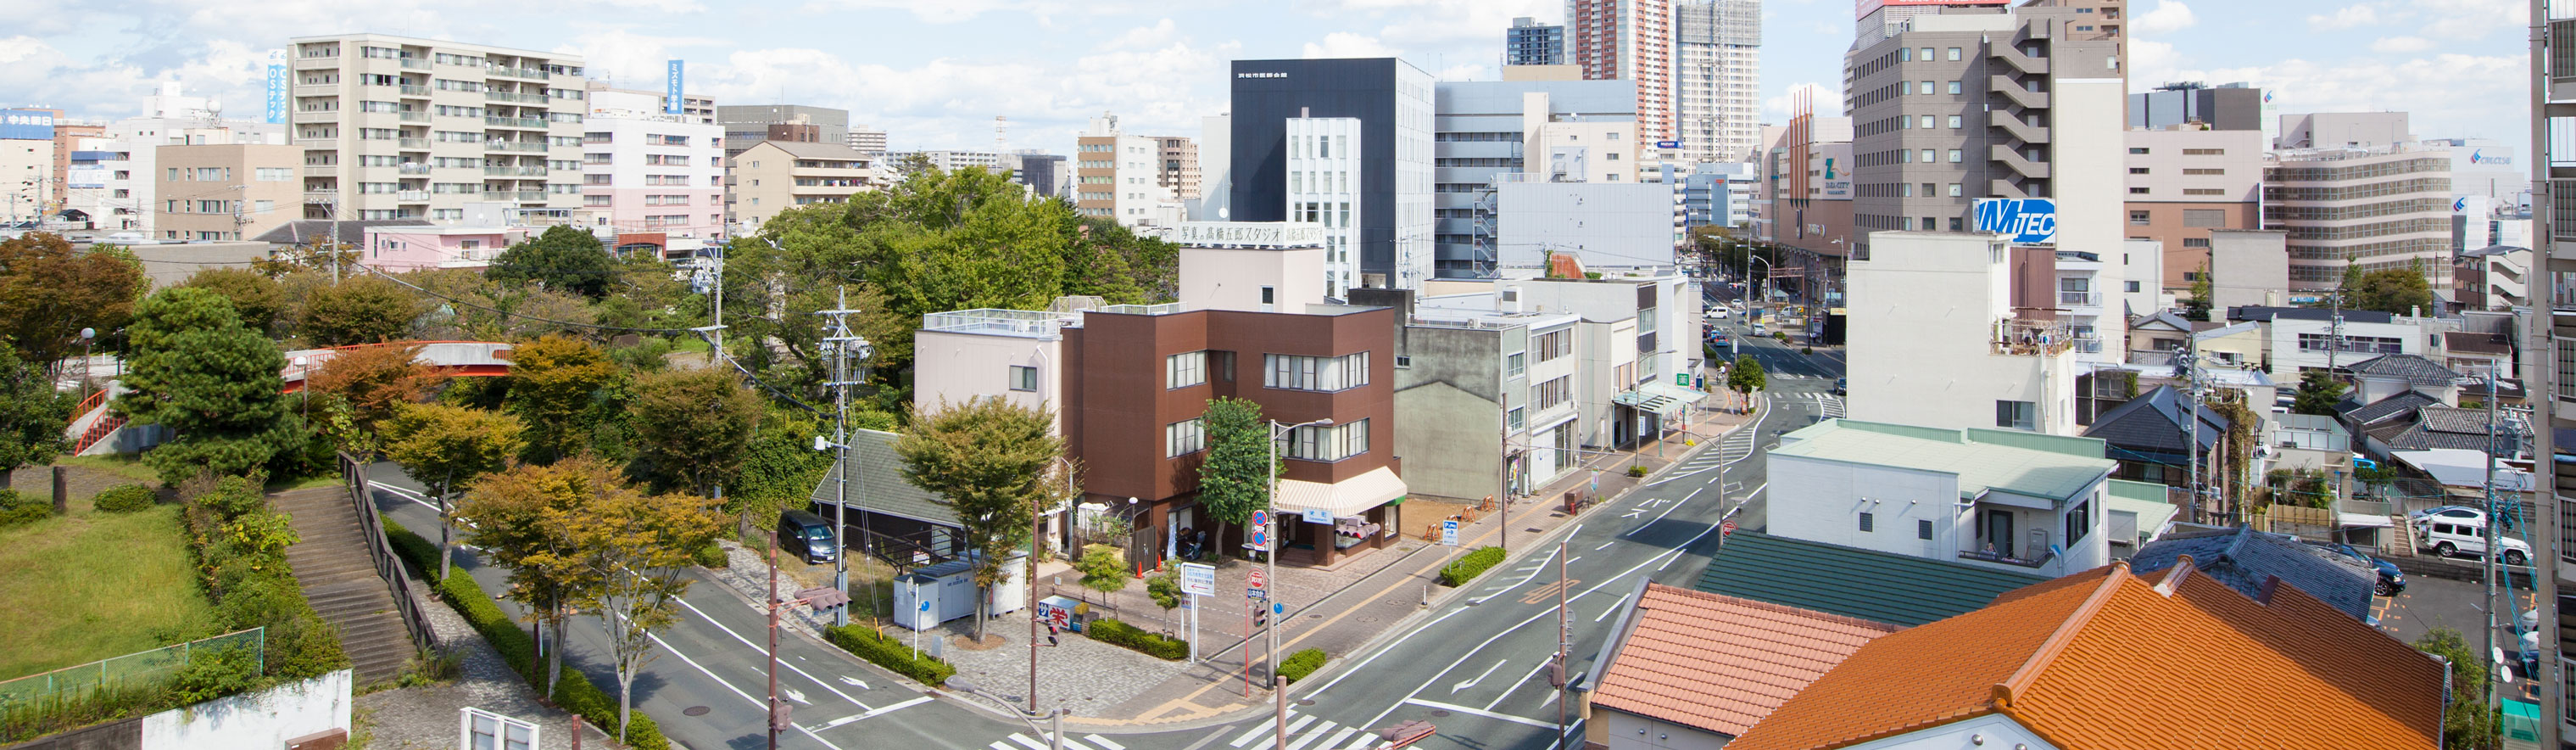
[[1247, 234], [1449, 533], [1198, 579], [1318, 515]]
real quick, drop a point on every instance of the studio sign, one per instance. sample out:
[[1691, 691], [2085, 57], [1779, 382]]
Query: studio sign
[[1261, 75]]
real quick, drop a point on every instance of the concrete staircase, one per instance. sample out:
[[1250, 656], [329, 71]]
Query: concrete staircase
[[340, 579]]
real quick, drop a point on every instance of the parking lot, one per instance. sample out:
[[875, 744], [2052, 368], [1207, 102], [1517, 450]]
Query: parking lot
[[2431, 602]]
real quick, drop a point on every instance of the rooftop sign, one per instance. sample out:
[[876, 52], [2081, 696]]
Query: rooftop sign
[[1281, 234]]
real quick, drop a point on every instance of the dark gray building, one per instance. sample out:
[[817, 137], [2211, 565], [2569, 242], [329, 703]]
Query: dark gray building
[[1392, 101], [2230, 106], [1529, 42], [1036, 170]]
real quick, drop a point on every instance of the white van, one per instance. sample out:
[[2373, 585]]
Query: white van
[[2452, 538]]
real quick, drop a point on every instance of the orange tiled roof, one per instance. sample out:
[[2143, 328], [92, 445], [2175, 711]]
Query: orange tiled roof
[[2118, 661], [1721, 663]]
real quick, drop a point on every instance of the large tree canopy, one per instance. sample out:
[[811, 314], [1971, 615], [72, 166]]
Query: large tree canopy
[[50, 291], [563, 258], [2396, 291], [211, 380]]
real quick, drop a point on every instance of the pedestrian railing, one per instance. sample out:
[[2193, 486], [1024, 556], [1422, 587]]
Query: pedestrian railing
[[138, 669]]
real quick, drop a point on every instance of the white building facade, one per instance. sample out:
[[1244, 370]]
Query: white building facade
[[1935, 339], [1325, 175], [648, 172], [1717, 79]]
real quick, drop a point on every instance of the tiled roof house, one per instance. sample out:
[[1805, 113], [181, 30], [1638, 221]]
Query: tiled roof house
[[1693, 663]]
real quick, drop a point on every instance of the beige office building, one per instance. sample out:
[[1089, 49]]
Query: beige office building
[[1179, 168], [778, 175], [2366, 207], [400, 128], [225, 191], [2184, 182]]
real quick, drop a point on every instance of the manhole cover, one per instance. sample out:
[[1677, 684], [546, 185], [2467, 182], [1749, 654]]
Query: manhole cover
[[1437, 713], [1533, 530], [1368, 619], [1305, 701], [1315, 617], [694, 711]]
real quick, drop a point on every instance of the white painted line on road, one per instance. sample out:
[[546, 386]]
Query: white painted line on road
[[1614, 607], [1320, 731], [711, 620], [1300, 723], [1336, 741], [842, 720], [666, 646], [1533, 572], [1489, 671], [1104, 742], [1458, 709], [1524, 680], [1605, 545], [1000, 745], [1258, 731], [876, 712], [1667, 511], [1031, 742], [848, 680]]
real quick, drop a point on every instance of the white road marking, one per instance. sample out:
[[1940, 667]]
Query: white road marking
[[666, 646], [1260, 730], [1453, 708], [1320, 731], [1032, 743], [1614, 607], [1300, 723], [1104, 742], [790, 667], [1336, 741], [1489, 671], [1524, 680]]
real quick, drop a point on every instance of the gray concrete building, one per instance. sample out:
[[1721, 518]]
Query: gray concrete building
[[746, 125], [1462, 368], [2227, 106], [1529, 42], [1480, 134], [1957, 106], [2248, 267], [2343, 129]]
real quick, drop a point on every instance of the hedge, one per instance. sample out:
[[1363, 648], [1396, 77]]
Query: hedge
[[892, 654], [1300, 664], [126, 498], [576, 694], [1466, 568], [1155, 645]]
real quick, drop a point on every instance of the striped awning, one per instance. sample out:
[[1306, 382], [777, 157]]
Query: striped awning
[[1346, 498], [1659, 397]]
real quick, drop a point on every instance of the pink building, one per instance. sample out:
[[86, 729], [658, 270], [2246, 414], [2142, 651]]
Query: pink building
[[651, 180], [415, 248]]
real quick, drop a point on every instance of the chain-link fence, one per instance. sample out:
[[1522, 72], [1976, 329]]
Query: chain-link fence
[[131, 670]]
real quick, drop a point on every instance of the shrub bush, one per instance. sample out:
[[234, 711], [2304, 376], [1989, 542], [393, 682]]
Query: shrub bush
[[124, 499], [892, 654], [19, 509], [1155, 645], [1636, 471], [1467, 567], [712, 556], [422, 552], [1300, 664]]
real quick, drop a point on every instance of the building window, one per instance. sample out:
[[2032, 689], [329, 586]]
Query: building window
[[1954, 156], [1332, 443], [1185, 369], [2137, 150], [1295, 373], [1954, 87], [2140, 217], [1024, 378], [1954, 122], [1954, 190], [1554, 344], [1954, 57], [1515, 364], [2078, 520], [1183, 438], [2132, 286], [1868, 521], [2137, 191], [2019, 415], [1516, 418], [1554, 393], [2204, 217], [1922, 529]]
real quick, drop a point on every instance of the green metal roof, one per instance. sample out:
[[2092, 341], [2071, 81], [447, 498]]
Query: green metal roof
[[1853, 582], [2023, 463]]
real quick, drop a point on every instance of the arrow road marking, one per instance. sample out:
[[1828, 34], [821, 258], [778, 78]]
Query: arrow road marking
[[1479, 678], [847, 680]]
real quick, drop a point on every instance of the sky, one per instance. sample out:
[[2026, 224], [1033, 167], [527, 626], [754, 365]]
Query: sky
[[935, 73]]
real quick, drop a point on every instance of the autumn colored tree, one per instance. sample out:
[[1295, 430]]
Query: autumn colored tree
[[640, 550], [557, 387], [372, 382], [362, 310], [50, 291], [256, 297], [446, 448], [693, 427], [987, 459], [530, 520], [212, 381]]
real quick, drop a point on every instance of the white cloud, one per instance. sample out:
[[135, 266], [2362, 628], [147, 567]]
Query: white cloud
[[2400, 44], [2169, 16], [1162, 32], [1825, 100], [1346, 44], [2448, 95], [2465, 20], [1479, 22], [1467, 72], [2345, 17]]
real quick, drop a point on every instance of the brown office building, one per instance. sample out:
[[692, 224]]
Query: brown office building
[[2184, 182]]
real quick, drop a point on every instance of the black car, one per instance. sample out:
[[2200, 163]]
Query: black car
[[2391, 581]]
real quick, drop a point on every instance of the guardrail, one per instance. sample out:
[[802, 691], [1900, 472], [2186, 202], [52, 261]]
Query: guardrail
[[354, 475]]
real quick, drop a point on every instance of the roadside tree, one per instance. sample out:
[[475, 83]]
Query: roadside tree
[[361, 310], [640, 548], [693, 427], [987, 459], [1234, 478], [31, 415], [1746, 377], [560, 387], [49, 291], [530, 519], [370, 383], [446, 448]]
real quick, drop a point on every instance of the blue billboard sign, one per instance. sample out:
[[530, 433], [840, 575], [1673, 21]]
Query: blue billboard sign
[[672, 99], [26, 124], [2027, 221], [276, 86]]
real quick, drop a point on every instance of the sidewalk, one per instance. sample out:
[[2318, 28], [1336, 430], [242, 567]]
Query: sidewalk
[[1339, 610]]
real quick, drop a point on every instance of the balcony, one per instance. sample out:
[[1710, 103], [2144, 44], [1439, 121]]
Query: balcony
[[414, 63], [2562, 212], [318, 142], [2019, 164], [1999, 558], [2032, 338], [514, 171], [415, 117], [514, 146], [2021, 131], [509, 72], [507, 96], [2005, 51], [325, 116], [416, 92], [2562, 57], [415, 144], [2021, 97], [412, 196], [515, 122], [509, 195], [317, 89], [417, 170], [2078, 299], [325, 194]]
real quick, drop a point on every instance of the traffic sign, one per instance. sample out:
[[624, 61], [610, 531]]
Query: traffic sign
[[1724, 529], [1257, 532], [1198, 579], [1449, 533], [1256, 585]]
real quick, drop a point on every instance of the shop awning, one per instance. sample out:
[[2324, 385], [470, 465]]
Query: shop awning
[[1346, 498], [1659, 397]]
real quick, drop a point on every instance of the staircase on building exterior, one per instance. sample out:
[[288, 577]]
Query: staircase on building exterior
[[342, 580]]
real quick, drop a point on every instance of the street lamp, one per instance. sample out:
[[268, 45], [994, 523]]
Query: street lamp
[[1055, 738], [1270, 552], [88, 366]]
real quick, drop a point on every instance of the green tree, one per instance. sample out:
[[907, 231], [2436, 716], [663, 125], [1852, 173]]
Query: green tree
[[780, 467], [640, 548], [215, 383], [987, 459], [32, 414], [2468, 722], [255, 296], [2319, 391], [2397, 291], [1102, 569], [1234, 478], [2198, 305], [1165, 588], [563, 258], [361, 310], [560, 388], [446, 448], [1746, 376], [49, 291], [693, 427], [531, 519], [373, 381]]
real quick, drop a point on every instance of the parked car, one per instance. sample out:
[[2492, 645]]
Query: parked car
[[2391, 580], [807, 536], [2452, 539], [1717, 313], [1840, 384], [1757, 329], [2452, 513]]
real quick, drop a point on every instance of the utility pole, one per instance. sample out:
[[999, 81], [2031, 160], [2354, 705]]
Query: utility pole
[[2545, 531], [843, 344], [2493, 564], [1564, 633], [771, 596], [2187, 365]]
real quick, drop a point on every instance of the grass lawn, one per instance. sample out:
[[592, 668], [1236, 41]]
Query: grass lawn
[[91, 585], [127, 468]]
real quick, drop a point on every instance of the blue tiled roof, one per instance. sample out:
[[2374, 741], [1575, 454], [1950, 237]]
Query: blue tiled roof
[[2245, 559]]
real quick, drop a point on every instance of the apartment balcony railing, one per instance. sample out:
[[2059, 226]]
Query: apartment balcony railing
[[514, 171], [414, 63], [415, 144], [2004, 559], [2077, 299], [318, 142], [330, 116], [517, 146], [412, 196], [321, 170], [415, 117], [311, 195], [2088, 344], [510, 96], [519, 195], [415, 91], [515, 122], [2032, 338], [2562, 210], [316, 89], [2021, 131], [2562, 57], [2021, 97], [413, 169], [2019, 164], [535, 73]]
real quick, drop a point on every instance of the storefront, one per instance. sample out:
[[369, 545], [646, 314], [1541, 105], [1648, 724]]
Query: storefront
[[1320, 523], [1651, 408]]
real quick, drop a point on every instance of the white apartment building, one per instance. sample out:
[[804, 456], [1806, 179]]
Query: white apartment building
[[1717, 79], [1117, 176], [1936, 339], [2361, 208], [402, 128], [1325, 176], [1985, 497], [1633, 350], [646, 172], [2298, 339]]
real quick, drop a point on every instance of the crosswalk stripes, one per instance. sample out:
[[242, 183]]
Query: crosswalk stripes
[[1310, 734], [1086, 742]]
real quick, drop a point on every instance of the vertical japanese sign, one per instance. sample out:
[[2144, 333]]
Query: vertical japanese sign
[[671, 94], [277, 86]]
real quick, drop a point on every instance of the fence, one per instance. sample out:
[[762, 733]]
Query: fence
[[129, 670], [353, 475]]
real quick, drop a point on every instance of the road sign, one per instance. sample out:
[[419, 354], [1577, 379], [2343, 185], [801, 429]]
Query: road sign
[[1276, 608], [1256, 585], [1198, 579], [1258, 536], [1726, 528], [1449, 533], [1260, 519]]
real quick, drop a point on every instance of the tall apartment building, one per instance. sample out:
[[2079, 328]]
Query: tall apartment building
[[650, 178], [1485, 134], [2185, 182], [1966, 104], [68, 136], [226, 192], [1116, 175], [2551, 375], [2363, 208], [778, 175], [1389, 169], [1177, 167], [2094, 21], [947, 161], [747, 125], [1630, 40], [26, 162], [401, 128], [868, 140], [1529, 42], [1717, 75]]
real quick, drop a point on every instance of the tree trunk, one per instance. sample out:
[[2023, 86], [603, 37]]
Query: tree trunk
[[446, 537], [554, 650], [625, 699]]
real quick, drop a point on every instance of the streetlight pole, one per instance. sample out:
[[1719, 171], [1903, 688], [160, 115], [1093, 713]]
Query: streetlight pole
[[1037, 528], [844, 345], [1270, 552]]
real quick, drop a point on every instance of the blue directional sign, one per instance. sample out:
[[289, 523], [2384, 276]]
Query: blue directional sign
[[1449, 533], [2028, 221]]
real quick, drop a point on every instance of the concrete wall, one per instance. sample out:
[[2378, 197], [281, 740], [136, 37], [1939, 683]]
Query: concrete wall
[[1232, 279], [1619, 730], [1605, 224], [2248, 267], [264, 719], [1451, 400], [957, 367], [1821, 501], [1921, 351]]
